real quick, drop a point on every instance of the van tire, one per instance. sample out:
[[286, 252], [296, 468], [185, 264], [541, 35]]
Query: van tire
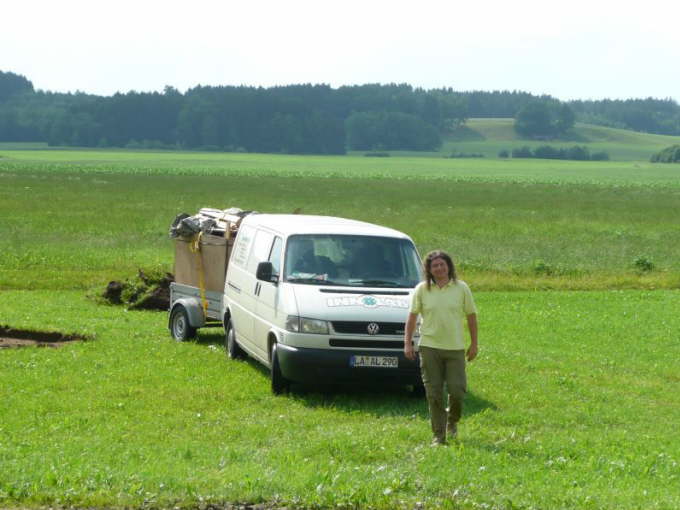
[[180, 327], [232, 347], [280, 384]]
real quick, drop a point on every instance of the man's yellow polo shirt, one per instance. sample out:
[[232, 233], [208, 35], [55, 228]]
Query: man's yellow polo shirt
[[443, 311]]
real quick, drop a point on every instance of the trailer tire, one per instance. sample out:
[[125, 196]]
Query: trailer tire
[[180, 327], [234, 350], [280, 384]]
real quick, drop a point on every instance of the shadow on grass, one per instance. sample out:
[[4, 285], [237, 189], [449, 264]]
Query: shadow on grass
[[377, 400], [213, 335], [370, 398]]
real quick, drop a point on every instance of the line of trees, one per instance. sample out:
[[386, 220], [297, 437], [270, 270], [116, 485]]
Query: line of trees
[[299, 118], [575, 153], [290, 119], [661, 116]]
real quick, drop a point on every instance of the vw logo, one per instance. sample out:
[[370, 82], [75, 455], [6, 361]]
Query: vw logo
[[372, 328]]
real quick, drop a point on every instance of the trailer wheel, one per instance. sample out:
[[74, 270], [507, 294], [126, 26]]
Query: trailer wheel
[[279, 383], [232, 347], [180, 327]]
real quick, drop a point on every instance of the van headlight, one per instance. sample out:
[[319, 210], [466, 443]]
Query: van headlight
[[303, 325]]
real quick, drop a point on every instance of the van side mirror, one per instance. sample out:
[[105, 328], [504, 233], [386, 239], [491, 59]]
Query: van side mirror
[[265, 272]]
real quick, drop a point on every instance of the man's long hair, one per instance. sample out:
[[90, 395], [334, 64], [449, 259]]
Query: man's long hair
[[427, 265]]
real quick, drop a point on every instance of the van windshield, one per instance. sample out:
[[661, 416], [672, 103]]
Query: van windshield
[[356, 261]]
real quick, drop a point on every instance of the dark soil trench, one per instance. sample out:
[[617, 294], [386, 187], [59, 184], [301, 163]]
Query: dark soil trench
[[10, 338]]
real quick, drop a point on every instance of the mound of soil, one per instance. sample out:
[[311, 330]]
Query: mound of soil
[[146, 291], [10, 337]]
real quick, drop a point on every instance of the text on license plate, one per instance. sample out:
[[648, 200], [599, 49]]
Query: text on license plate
[[374, 361]]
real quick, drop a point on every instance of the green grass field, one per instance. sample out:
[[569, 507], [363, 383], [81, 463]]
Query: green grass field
[[573, 402], [84, 217]]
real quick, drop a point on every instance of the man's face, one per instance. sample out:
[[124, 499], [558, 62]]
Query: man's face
[[439, 268]]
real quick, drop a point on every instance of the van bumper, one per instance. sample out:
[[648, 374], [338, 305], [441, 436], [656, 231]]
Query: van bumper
[[305, 365]]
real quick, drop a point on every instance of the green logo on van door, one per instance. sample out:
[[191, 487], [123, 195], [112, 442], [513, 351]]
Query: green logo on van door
[[369, 301]]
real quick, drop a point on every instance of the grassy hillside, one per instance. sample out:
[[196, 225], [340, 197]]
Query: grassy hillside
[[489, 136]]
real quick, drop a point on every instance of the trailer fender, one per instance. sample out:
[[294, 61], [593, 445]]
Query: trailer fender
[[194, 310]]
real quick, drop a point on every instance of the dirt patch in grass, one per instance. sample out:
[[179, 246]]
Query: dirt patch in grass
[[10, 337], [148, 290]]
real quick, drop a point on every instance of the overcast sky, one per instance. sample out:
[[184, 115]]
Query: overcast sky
[[576, 49]]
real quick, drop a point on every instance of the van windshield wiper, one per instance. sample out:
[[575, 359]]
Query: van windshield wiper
[[379, 283], [308, 279]]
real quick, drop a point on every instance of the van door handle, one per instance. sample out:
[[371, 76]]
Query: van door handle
[[257, 288]]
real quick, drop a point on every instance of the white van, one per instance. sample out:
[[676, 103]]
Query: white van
[[315, 299]]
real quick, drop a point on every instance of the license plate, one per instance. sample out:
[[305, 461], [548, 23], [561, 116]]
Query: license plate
[[374, 361]]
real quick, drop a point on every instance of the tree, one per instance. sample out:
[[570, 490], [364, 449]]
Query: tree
[[533, 121], [565, 119], [11, 84], [390, 131], [542, 119], [668, 155]]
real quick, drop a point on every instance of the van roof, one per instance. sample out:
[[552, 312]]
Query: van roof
[[289, 224]]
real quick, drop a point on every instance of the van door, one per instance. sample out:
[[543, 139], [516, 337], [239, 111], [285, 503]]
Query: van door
[[262, 248], [239, 288], [268, 298]]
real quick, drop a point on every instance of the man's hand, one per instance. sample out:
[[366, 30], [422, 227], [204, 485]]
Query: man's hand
[[408, 351], [472, 351]]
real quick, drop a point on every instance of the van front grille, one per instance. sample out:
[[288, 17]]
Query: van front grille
[[366, 344], [362, 327]]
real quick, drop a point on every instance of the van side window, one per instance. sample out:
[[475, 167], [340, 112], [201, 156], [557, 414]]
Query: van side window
[[261, 249], [242, 246], [275, 256]]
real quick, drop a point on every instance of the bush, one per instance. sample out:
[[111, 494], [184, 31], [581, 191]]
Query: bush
[[455, 154], [542, 268], [577, 153], [522, 152], [599, 156], [548, 152], [377, 154], [503, 154], [643, 264], [668, 155]]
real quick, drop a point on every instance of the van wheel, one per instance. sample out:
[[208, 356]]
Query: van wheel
[[232, 347], [279, 383], [180, 327]]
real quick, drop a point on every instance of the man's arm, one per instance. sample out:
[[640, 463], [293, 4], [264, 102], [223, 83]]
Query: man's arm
[[472, 326], [408, 336]]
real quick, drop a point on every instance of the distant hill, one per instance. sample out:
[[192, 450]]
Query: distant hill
[[489, 136]]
